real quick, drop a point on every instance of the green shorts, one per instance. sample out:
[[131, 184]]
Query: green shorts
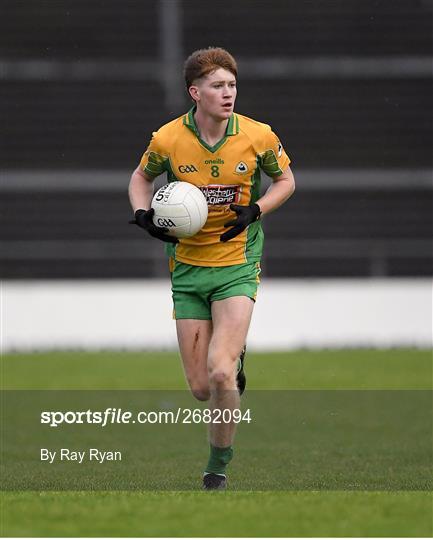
[[196, 287]]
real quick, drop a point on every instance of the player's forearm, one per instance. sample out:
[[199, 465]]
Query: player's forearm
[[140, 191], [278, 192]]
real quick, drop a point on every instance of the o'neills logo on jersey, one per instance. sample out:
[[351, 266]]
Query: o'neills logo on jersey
[[221, 194], [217, 161]]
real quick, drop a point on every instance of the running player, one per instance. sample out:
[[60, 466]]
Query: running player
[[215, 274]]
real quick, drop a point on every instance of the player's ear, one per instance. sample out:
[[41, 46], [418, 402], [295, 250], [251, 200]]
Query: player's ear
[[194, 92]]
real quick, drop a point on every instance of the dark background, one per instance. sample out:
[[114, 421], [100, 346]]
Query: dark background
[[346, 84]]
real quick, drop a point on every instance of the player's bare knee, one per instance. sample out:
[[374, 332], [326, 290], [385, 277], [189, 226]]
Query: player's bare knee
[[221, 377], [200, 390], [201, 393]]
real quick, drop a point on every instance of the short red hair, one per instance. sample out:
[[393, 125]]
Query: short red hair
[[204, 61]]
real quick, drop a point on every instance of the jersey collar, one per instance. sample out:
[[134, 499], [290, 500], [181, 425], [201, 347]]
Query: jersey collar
[[232, 126]]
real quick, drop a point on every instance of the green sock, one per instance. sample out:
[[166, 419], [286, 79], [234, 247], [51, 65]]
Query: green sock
[[219, 459]]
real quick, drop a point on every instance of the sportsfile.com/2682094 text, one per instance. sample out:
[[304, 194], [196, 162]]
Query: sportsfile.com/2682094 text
[[111, 416]]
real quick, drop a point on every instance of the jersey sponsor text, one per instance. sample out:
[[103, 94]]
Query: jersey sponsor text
[[221, 194]]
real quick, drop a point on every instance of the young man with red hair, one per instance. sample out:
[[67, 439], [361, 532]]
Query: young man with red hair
[[215, 274]]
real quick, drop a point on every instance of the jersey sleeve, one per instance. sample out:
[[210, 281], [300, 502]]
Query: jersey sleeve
[[155, 158], [273, 159]]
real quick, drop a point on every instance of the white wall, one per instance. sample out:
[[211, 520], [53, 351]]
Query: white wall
[[288, 314]]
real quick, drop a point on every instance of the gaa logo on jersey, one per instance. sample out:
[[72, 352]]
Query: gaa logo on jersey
[[221, 194], [241, 168], [187, 168]]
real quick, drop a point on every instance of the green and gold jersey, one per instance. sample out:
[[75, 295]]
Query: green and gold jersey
[[226, 173]]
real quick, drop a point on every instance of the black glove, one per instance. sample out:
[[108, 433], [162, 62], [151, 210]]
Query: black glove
[[245, 216], [143, 218]]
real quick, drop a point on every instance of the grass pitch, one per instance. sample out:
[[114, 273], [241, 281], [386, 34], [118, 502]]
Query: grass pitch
[[252, 514], [388, 512]]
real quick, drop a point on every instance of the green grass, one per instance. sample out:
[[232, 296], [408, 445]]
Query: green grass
[[305, 512], [218, 514], [341, 369]]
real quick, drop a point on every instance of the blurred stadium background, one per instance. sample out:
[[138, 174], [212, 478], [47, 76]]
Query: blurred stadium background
[[346, 84]]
